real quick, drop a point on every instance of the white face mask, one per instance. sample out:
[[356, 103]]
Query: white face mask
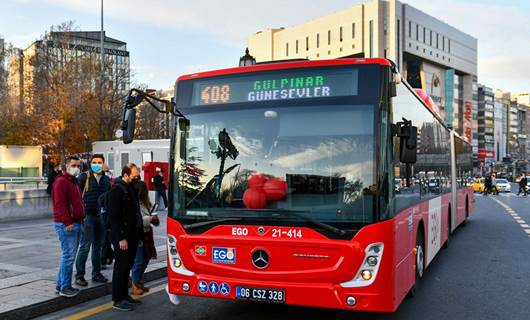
[[74, 171]]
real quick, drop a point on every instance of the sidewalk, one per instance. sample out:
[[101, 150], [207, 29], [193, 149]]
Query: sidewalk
[[29, 259]]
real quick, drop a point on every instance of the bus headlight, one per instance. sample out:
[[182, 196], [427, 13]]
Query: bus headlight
[[367, 273], [175, 262]]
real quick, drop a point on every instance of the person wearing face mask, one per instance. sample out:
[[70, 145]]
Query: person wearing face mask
[[126, 230], [68, 215], [93, 184]]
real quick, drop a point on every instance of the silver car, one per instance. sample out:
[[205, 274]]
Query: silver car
[[504, 185]]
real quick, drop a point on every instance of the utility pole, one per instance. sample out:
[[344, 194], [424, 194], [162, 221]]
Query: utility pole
[[102, 75]]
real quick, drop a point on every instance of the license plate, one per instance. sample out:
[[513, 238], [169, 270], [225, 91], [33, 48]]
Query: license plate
[[260, 294]]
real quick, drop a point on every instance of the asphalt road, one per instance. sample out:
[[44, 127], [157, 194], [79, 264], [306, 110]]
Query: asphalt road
[[484, 274]]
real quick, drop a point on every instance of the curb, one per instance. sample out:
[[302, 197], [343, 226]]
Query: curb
[[59, 303]]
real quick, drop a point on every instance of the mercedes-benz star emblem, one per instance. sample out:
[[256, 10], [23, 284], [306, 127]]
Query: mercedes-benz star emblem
[[260, 259]]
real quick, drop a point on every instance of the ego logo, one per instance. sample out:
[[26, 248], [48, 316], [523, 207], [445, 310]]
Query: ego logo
[[224, 255], [239, 231]]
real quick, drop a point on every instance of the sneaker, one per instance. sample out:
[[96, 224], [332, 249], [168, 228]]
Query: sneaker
[[80, 281], [69, 292], [99, 278], [57, 290], [122, 306], [131, 300]]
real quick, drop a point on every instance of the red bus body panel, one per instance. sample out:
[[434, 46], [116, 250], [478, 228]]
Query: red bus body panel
[[316, 281]]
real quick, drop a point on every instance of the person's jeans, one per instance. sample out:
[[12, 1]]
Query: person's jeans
[[69, 245], [93, 233], [140, 264]]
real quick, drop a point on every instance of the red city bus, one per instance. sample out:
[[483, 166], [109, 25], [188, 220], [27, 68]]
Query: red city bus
[[317, 183]]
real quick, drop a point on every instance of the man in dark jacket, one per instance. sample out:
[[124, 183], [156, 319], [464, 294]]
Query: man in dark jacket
[[160, 188], [68, 215], [93, 184], [125, 231]]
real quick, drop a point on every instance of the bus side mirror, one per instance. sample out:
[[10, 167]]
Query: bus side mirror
[[408, 144], [128, 125]]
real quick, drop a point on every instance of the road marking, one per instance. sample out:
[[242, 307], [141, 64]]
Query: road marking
[[515, 216], [108, 306]]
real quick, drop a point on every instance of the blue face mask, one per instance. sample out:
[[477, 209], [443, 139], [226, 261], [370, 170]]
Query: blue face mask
[[96, 168]]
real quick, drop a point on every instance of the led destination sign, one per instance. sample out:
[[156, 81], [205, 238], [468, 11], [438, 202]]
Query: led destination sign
[[278, 86]]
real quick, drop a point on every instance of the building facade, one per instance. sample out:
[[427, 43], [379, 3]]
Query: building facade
[[486, 125], [23, 64], [431, 54]]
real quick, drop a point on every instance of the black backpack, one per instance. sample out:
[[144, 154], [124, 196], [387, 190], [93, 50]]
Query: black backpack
[[103, 202]]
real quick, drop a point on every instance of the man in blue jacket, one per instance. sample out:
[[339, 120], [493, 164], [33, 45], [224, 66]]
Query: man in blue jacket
[[93, 184]]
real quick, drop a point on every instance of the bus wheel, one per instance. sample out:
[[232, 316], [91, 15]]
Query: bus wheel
[[464, 223], [420, 263], [446, 243]]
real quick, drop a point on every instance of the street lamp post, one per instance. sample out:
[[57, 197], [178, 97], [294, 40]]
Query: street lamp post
[[247, 59]]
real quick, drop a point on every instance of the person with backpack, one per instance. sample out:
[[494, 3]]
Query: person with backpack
[[146, 247], [93, 184], [160, 188], [487, 185], [126, 230]]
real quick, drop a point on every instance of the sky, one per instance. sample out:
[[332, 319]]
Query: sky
[[167, 38]]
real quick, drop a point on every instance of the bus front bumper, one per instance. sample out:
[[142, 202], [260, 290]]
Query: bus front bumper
[[303, 294]]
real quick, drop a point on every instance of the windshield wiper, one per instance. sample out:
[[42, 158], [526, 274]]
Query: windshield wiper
[[298, 214], [207, 223]]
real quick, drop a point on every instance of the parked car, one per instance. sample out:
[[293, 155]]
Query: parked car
[[503, 185]]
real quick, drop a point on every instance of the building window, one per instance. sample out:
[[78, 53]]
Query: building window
[[449, 45], [398, 43], [296, 46], [410, 29], [424, 34], [437, 38], [430, 39], [340, 34], [443, 43], [417, 32], [371, 38], [329, 37], [353, 30], [306, 43], [287, 49], [318, 40]]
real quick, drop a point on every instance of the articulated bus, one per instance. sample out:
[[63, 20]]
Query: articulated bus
[[283, 185]]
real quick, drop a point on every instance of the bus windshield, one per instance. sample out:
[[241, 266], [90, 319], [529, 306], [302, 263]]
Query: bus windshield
[[319, 157]]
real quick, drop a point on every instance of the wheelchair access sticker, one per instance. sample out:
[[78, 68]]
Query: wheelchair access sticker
[[224, 255]]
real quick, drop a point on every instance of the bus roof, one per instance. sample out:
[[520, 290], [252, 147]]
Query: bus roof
[[285, 65]]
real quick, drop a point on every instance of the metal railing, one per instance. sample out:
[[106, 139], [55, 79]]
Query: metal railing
[[17, 183]]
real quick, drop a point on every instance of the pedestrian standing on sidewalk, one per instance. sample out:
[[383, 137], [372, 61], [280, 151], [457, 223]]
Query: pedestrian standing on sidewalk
[[68, 215], [160, 188], [146, 247], [126, 231], [93, 184], [523, 182]]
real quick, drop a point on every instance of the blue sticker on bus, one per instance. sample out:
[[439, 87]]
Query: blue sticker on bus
[[224, 288], [214, 287], [224, 255], [202, 286]]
